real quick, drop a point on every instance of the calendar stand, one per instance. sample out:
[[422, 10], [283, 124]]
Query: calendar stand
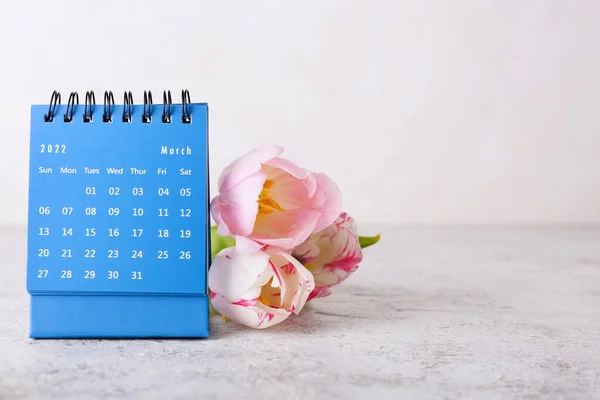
[[119, 223]]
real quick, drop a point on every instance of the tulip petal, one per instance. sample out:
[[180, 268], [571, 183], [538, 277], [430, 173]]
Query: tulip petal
[[236, 210], [215, 210], [281, 166], [328, 201], [288, 191], [306, 252], [244, 244], [232, 275], [246, 165], [254, 316], [285, 229], [297, 279], [319, 293], [288, 166]]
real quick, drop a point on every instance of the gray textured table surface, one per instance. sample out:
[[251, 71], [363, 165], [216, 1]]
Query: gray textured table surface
[[431, 314]]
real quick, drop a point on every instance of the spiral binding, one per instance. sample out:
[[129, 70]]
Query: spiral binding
[[109, 103]]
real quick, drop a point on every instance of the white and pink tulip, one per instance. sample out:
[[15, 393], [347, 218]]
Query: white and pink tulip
[[258, 289], [331, 255]]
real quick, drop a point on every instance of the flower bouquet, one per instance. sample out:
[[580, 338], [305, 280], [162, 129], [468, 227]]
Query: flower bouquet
[[280, 241]]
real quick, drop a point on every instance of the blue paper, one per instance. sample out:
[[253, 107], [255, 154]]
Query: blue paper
[[118, 230]]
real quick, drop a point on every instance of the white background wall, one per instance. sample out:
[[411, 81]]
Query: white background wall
[[423, 111]]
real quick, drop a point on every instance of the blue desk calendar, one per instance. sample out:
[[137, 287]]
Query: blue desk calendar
[[118, 226]]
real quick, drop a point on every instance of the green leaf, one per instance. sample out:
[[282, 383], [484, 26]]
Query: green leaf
[[218, 242], [366, 241]]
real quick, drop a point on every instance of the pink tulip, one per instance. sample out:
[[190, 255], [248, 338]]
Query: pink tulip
[[332, 255], [258, 289], [272, 201]]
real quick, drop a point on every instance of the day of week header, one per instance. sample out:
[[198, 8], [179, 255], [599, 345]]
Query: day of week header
[[111, 171]]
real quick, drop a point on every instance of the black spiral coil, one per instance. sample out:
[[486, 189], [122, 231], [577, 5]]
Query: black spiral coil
[[147, 113], [54, 101], [127, 104], [186, 116], [73, 101], [166, 114], [109, 103], [88, 109]]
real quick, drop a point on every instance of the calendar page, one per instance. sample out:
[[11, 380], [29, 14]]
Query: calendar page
[[118, 207]]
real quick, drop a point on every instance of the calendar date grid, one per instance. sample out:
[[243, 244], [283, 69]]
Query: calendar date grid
[[61, 258]]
